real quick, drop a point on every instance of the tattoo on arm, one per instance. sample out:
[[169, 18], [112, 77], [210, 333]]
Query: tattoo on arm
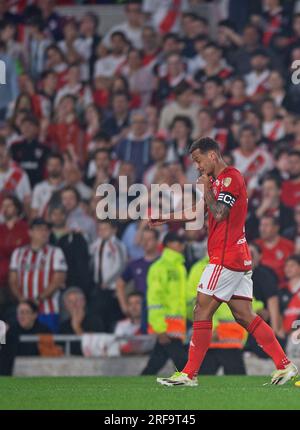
[[219, 210]]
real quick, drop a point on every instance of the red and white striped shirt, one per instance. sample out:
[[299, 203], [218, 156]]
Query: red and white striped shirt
[[35, 270]]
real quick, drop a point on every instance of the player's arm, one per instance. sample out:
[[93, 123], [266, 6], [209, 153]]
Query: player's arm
[[121, 295], [219, 208], [14, 285], [176, 216]]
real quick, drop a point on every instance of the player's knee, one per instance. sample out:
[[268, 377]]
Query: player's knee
[[201, 313], [244, 319]]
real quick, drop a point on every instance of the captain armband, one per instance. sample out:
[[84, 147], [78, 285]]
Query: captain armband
[[227, 198]]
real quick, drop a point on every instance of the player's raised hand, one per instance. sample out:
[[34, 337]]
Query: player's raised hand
[[204, 180]]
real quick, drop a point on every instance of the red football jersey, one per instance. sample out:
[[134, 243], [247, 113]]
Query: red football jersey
[[290, 193], [276, 256], [227, 245]]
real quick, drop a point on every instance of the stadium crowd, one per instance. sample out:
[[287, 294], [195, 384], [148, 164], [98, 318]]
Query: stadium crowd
[[80, 109]]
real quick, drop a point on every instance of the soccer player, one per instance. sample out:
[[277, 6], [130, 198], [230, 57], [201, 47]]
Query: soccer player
[[227, 277]]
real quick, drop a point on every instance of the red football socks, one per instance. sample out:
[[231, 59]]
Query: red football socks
[[202, 333], [266, 339]]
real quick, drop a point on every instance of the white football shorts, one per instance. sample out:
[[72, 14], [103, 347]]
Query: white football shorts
[[224, 284]]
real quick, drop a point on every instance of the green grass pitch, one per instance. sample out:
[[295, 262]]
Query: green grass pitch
[[143, 393]]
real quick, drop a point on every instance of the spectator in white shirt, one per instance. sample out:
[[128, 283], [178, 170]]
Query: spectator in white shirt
[[107, 66], [183, 105], [132, 27], [71, 45], [73, 178], [108, 261], [75, 87], [165, 15], [253, 161], [88, 43], [44, 190], [131, 326], [257, 78]]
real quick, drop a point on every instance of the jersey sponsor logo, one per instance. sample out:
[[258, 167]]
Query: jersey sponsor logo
[[247, 262], [201, 286], [227, 182], [241, 241], [227, 198]]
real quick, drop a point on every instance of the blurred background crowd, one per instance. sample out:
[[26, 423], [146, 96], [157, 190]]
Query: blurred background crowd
[[80, 108]]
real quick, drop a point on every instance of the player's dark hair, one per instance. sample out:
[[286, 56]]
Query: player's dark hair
[[102, 136], [119, 34], [56, 48], [113, 223], [33, 306], [247, 127], [46, 73], [102, 150], [121, 94], [16, 202], [278, 152], [295, 258], [238, 78], [205, 144], [181, 88], [56, 156], [173, 36], [274, 219], [153, 231], [215, 80], [201, 38], [209, 111], [295, 153], [184, 119], [191, 15], [275, 179], [135, 294], [213, 45], [95, 18], [73, 190], [32, 119]]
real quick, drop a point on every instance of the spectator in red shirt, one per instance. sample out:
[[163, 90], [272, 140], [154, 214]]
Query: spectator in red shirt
[[293, 231], [269, 204], [56, 62], [65, 131], [13, 233], [275, 248], [292, 296], [290, 193]]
